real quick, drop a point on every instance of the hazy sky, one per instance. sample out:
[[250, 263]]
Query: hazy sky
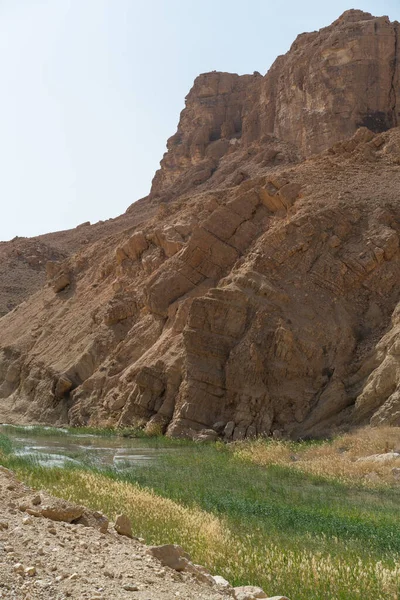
[[92, 89]]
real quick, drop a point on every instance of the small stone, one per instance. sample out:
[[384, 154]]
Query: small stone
[[248, 592], [3, 525], [73, 576], [8, 549], [33, 512], [109, 574], [221, 581], [19, 568], [30, 571], [123, 526], [170, 555], [27, 521], [52, 530], [41, 583], [36, 500], [130, 587]]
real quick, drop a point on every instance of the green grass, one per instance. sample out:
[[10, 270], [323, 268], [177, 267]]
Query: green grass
[[290, 532], [42, 431], [276, 499]]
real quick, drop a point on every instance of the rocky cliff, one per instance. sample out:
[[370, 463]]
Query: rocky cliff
[[329, 84], [260, 292]]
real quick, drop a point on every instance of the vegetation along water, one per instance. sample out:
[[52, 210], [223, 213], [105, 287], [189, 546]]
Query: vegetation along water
[[257, 512]]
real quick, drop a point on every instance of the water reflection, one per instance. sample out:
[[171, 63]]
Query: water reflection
[[63, 449]]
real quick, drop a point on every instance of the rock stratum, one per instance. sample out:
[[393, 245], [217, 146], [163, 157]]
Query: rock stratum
[[256, 289]]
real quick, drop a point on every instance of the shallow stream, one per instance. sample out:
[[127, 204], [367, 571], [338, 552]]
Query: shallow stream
[[58, 447]]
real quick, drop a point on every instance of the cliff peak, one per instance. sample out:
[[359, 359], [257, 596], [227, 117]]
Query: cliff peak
[[330, 83]]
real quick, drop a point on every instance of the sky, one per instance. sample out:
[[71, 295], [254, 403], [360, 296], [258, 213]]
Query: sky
[[92, 89]]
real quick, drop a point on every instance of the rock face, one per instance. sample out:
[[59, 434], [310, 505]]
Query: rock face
[[27, 263], [259, 295], [330, 83]]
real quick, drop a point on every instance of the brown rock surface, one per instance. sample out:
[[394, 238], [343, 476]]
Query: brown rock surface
[[261, 298], [24, 261], [331, 82]]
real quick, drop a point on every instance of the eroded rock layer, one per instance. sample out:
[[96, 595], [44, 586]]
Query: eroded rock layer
[[260, 293]]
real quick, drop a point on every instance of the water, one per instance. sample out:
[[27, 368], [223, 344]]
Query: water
[[61, 448]]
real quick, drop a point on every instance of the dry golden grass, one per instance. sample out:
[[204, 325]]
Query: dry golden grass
[[337, 459]]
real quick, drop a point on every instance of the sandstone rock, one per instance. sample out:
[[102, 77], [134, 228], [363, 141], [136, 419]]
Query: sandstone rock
[[19, 569], [118, 309], [61, 510], [133, 248], [170, 555], [222, 582], [61, 281], [130, 587], [248, 592], [206, 435], [289, 193], [123, 526], [58, 276], [380, 458], [200, 573]]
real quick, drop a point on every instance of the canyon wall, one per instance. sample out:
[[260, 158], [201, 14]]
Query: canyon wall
[[255, 291]]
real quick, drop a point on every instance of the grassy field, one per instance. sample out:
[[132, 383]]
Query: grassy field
[[251, 514]]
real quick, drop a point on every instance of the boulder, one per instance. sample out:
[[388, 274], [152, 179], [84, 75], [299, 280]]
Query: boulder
[[170, 555], [248, 592], [206, 435], [123, 525], [61, 510], [61, 281]]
